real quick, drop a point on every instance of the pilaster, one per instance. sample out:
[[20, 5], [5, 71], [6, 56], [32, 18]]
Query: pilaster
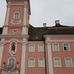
[[23, 56], [50, 63], [1, 50], [25, 19]]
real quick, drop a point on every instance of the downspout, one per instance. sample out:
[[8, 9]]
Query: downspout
[[45, 56]]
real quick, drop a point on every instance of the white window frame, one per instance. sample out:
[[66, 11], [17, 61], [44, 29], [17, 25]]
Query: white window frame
[[68, 47], [30, 49], [57, 65], [14, 16], [42, 47], [40, 60], [9, 60], [29, 62], [66, 64], [53, 46]]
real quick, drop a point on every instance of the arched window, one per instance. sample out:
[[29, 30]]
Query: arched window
[[13, 45], [12, 48]]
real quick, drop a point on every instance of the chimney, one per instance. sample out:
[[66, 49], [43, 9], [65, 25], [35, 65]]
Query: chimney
[[57, 22], [44, 24]]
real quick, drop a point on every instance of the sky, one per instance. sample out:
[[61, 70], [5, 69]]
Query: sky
[[46, 11]]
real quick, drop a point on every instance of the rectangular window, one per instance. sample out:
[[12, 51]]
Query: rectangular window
[[66, 47], [55, 47], [41, 48], [57, 62], [31, 48], [11, 62], [16, 15], [31, 63], [68, 62], [41, 62]]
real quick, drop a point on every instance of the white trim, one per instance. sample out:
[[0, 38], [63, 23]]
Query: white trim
[[10, 51], [24, 30], [23, 56], [39, 62], [11, 57], [1, 53], [59, 36], [71, 62], [68, 46], [29, 61], [5, 30], [53, 48], [50, 63], [60, 40], [7, 15], [31, 44], [14, 16], [25, 16], [40, 44], [60, 65]]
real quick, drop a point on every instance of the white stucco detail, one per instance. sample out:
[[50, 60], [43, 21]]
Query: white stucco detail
[[7, 15], [1, 52], [25, 16], [22, 71], [24, 30], [50, 64], [5, 30]]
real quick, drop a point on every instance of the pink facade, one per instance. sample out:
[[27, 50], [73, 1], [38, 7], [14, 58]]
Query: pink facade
[[25, 49]]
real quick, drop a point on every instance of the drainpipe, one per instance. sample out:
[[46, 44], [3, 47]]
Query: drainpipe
[[45, 56]]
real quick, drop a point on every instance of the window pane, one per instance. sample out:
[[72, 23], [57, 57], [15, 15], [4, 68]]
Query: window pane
[[31, 63], [11, 62], [57, 62], [68, 62], [41, 63], [16, 16], [66, 47], [31, 48], [41, 48], [55, 47], [13, 47]]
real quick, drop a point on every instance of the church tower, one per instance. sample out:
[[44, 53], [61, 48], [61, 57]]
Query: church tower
[[14, 37]]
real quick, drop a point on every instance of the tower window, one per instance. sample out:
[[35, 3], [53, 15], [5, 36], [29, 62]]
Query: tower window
[[16, 16], [13, 47], [11, 62]]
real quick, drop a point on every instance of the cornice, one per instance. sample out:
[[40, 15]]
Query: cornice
[[14, 36]]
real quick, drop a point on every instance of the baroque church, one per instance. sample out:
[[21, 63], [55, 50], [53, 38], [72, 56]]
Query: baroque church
[[25, 49]]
